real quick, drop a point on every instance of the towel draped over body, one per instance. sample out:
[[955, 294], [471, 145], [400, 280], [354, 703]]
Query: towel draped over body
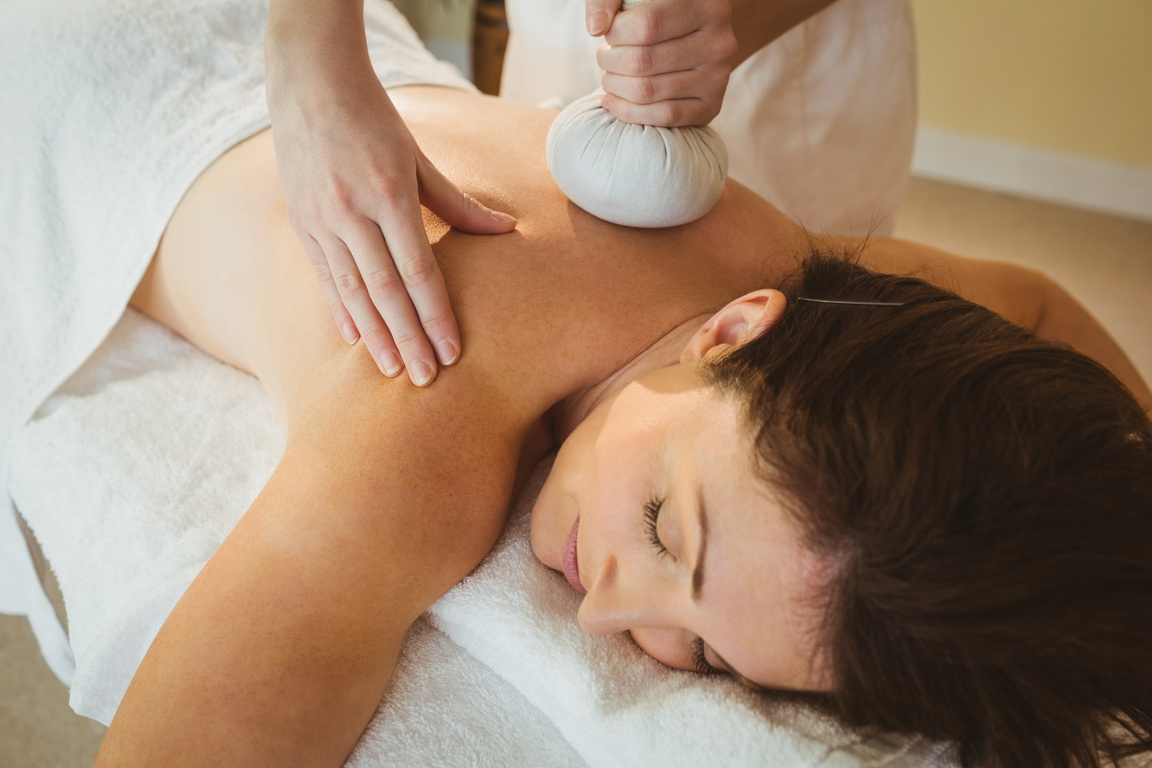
[[110, 110]]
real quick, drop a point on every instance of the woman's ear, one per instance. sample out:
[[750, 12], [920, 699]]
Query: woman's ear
[[742, 320]]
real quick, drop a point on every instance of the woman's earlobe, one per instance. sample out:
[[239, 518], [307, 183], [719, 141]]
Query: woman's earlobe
[[741, 320]]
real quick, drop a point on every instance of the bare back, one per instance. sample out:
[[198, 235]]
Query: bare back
[[558, 305]]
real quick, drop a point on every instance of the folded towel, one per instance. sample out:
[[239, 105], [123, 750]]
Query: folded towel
[[133, 473], [616, 705]]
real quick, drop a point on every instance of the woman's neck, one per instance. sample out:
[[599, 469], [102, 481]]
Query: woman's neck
[[663, 352]]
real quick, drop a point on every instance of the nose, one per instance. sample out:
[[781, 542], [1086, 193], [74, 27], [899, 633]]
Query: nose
[[615, 603]]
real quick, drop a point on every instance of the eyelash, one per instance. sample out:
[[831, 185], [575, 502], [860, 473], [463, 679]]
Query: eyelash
[[651, 515], [699, 660]]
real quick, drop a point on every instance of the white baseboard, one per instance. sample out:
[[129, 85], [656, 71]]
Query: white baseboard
[[1043, 174]]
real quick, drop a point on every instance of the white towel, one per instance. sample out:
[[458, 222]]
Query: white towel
[[109, 110], [89, 174], [616, 705], [138, 467], [133, 473]]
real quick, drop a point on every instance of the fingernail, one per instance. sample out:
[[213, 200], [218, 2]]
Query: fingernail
[[390, 363], [596, 22], [447, 352], [350, 334], [421, 372], [504, 217]]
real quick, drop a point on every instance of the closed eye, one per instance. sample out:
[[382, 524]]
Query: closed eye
[[651, 518], [699, 661]]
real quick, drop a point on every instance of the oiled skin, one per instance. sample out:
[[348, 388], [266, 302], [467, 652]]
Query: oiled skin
[[387, 494]]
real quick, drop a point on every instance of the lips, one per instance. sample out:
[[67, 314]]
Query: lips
[[569, 559]]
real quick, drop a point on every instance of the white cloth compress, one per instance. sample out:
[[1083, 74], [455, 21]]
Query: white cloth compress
[[820, 123]]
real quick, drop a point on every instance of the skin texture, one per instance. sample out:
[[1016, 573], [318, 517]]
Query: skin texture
[[388, 494]]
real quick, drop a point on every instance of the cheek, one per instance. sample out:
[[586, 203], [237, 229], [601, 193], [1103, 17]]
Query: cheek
[[547, 525], [670, 647]]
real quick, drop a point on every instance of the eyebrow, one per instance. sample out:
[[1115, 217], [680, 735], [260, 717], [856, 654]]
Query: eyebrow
[[698, 571]]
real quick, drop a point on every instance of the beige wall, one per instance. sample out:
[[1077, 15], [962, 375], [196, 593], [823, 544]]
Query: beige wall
[[1067, 75]]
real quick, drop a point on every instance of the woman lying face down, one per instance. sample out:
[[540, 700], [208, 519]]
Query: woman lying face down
[[936, 520], [753, 487]]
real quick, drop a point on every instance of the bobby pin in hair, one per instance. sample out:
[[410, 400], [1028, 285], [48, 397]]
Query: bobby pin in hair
[[853, 303]]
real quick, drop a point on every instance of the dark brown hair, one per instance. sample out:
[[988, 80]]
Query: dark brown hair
[[987, 498]]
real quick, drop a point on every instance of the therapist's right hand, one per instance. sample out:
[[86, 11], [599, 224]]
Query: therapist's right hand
[[354, 180], [665, 62]]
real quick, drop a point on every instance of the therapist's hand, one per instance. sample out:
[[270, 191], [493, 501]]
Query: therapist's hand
[[666, 62], [354, 180]]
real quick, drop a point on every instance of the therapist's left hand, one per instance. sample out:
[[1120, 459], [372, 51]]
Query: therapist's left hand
[[666, 62]]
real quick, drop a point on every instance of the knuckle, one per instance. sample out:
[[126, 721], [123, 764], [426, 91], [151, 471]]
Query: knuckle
[[725, 46], [645, 90], [383, 281], [393, 198], [439, 320], [643, 61], [342, 201], [323, 272], [604, 58], [648, 29], [667, 113], [405, 336], [418, 271], [376, 335], [347, 283]]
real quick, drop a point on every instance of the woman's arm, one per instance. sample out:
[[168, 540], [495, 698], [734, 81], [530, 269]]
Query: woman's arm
[[280, 651], [386, 496], [1024, 296]]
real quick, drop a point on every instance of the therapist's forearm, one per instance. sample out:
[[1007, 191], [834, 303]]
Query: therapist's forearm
[[759, 22], [313, 44]]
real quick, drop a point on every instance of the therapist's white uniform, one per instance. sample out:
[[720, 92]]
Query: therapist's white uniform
[[821, 122]]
